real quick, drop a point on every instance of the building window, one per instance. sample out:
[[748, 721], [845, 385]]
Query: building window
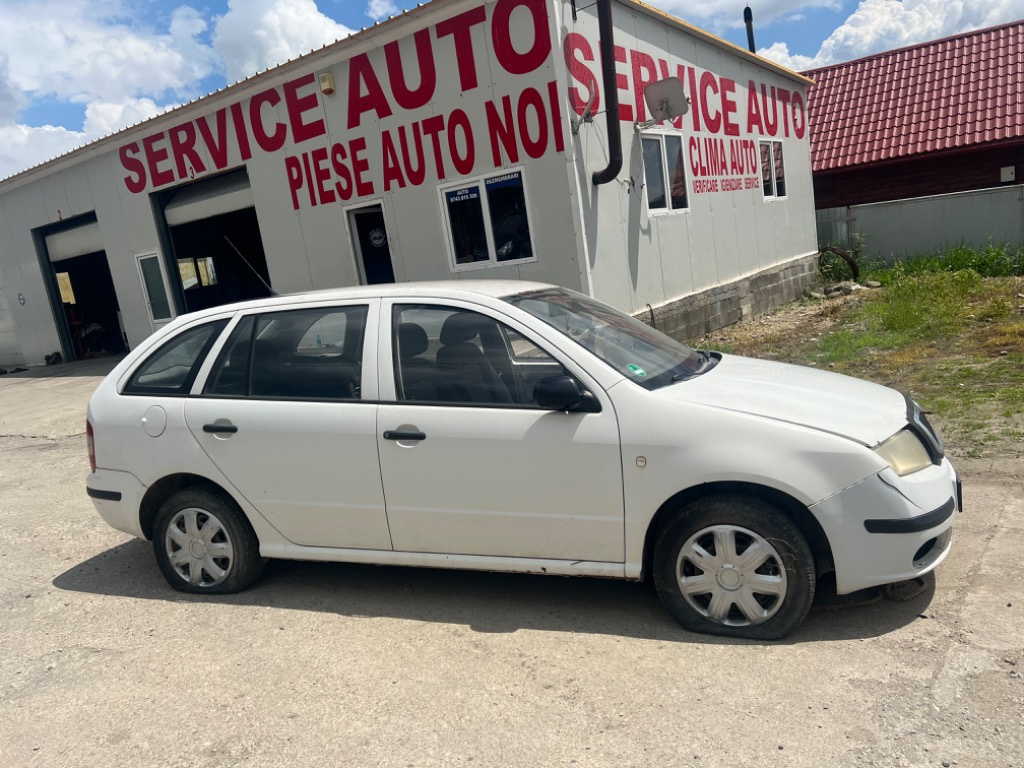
[[773, 169], [664, 172], [487, 221], [197, 272]]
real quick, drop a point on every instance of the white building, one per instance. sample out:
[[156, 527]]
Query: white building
[[462, 139]]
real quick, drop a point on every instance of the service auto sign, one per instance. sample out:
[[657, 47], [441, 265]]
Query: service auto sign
[[395, 134]]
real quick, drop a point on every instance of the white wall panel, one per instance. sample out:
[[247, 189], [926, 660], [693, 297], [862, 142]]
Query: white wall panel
[[728, 234]]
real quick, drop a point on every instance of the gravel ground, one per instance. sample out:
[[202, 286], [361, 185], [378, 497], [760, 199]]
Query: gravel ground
[[330, 665]]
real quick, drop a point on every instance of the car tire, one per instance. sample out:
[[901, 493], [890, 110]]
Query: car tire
[[204, 544], [734, 566]]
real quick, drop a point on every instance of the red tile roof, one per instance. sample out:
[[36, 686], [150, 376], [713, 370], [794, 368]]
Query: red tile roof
[[958, 92]]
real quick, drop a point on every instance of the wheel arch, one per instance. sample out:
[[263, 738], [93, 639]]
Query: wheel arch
[[163, 489], [789, 506]]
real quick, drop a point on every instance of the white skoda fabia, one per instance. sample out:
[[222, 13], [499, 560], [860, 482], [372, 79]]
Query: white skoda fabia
[[512, 426]]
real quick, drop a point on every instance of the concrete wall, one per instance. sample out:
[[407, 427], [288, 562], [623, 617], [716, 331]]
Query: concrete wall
[[902, 228]]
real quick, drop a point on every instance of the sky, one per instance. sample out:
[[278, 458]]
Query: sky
[[73, 71]]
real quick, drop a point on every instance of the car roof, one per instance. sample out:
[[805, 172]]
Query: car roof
[[434, 289]]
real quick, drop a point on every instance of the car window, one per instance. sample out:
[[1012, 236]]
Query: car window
[[635, 349], [309, 354], [451, 355], [172, 369]]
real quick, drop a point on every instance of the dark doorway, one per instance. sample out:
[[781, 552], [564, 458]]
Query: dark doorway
[[91, 311], [220, 259], [374, 247]]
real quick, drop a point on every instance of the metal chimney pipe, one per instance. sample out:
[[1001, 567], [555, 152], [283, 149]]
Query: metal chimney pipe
[[748, 19]]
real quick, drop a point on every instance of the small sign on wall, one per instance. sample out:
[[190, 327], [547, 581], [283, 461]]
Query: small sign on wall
[[1008, 173]]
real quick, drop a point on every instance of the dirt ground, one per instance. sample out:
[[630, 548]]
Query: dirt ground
[[102, 664]]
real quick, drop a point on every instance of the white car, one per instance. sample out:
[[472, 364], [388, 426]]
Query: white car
[[512, 426]]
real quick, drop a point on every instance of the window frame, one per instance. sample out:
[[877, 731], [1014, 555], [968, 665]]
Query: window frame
[[772, 144], [133, 389], [390, 367], [259, 315], [480, 182], [661, 136]]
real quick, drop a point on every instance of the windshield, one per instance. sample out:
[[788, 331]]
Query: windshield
[[638, 351]]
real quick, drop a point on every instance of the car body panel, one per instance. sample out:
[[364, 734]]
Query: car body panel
[[515, 487], [823, 400]]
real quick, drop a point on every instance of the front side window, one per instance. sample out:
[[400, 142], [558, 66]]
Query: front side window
[[773, 169], [488, 221], [308, 354], [172, 369], [450, 355], [664, 172]]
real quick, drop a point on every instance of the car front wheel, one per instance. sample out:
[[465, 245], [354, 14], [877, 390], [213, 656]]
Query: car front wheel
[[204, 544], [736, 566]]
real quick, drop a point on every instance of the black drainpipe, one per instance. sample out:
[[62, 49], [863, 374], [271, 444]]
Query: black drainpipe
[[611, 94]]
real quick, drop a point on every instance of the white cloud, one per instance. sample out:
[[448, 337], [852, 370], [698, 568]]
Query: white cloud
[[779, 53], [881, 25], [103, 118], [11, 97], [381, 9], [256, 34], [718, 15], [80, 50], [22, 147]]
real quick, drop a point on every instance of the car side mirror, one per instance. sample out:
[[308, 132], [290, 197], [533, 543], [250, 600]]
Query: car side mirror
[[562, 393]]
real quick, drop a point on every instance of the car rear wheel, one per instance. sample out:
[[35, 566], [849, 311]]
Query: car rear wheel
[[204, 543], [736, 566]]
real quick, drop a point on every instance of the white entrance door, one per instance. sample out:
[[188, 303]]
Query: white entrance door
[[154, 288]]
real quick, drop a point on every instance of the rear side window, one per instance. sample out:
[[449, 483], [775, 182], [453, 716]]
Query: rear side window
[[307, 354], [172, 369]]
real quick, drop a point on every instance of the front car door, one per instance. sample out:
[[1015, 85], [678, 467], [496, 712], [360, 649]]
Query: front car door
[[470, 465], [287, 415]]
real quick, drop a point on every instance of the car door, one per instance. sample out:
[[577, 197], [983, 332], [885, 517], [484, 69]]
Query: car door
[[470, 465], [288, 417]]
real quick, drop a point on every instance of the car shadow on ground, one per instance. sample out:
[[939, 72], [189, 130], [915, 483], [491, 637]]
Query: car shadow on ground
[[483, 601]]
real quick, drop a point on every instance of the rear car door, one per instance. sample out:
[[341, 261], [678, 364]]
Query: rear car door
[[289, 418], [470, 464]]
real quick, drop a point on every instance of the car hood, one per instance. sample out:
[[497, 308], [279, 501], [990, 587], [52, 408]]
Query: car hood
[[831, 402]]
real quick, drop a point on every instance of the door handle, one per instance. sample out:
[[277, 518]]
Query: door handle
[[217, 429], [391, 435]]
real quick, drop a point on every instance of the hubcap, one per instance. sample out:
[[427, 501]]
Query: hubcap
[[731, 575], [199, 547]]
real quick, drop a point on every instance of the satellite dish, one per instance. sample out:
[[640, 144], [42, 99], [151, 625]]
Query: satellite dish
[[665, 100]]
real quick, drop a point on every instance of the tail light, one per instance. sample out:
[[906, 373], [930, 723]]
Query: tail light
[[91, 442]]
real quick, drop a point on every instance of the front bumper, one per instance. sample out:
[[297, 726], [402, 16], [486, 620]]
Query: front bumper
[[889, 528], [117, 497]]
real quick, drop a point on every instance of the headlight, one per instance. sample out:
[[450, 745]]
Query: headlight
[[904, 452]]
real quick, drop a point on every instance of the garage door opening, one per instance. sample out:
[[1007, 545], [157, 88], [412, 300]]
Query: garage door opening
[[216, 248], [86, 311], [90, 306]]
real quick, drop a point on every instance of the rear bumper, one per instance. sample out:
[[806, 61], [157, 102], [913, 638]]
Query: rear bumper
[[887, 528], [116, 496]]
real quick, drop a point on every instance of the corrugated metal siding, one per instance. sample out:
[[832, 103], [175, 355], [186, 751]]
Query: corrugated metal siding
[[958, 92]]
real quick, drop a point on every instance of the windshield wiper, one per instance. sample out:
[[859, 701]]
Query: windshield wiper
[[707, 361]]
